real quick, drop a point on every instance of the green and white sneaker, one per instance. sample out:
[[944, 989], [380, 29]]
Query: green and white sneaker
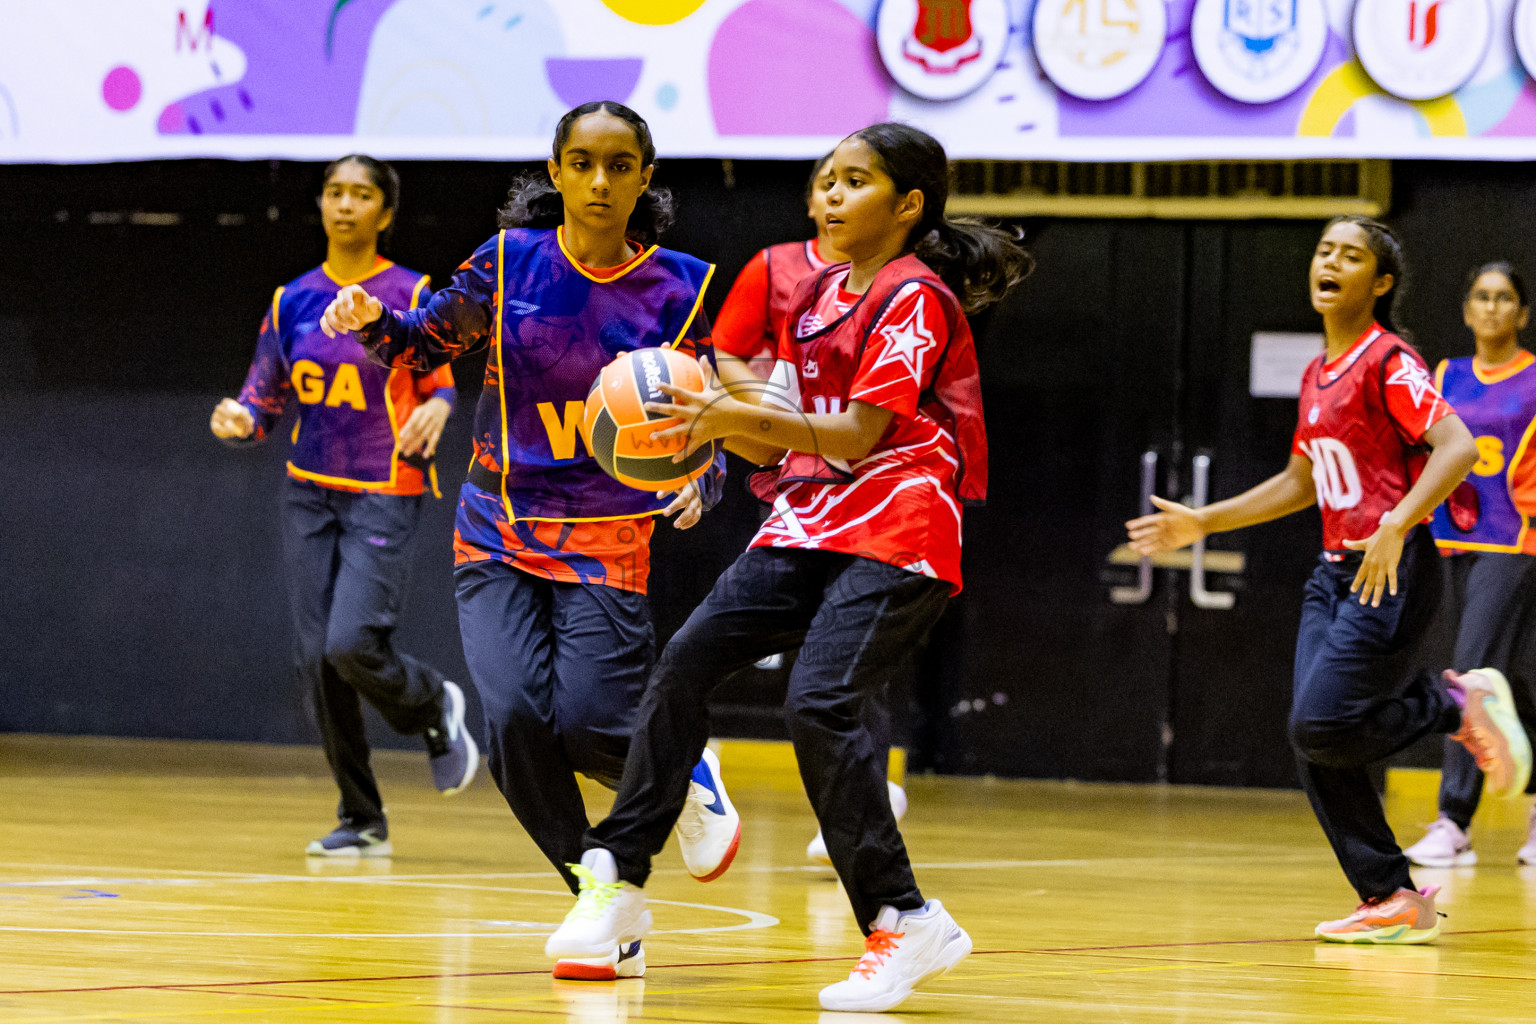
[[608, 914]]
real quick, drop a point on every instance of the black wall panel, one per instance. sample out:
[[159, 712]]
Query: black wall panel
[[139, 565]]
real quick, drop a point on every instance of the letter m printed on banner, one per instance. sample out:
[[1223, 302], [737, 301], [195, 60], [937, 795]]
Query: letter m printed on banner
[[186, 32]]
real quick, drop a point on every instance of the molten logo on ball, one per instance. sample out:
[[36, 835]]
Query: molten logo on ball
[[618, 430]]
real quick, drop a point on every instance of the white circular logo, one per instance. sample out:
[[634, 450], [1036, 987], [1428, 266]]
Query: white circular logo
[[1421, 49], [1312, 416], [941, 49], [1099, 49], [1525, 34], [1258, 51]]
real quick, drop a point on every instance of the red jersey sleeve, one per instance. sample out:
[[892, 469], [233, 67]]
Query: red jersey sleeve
[[742, 328], [902, 351], [1412, 400]]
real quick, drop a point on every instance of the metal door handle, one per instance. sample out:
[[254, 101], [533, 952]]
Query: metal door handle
[[1142, 591], [1210, 600]]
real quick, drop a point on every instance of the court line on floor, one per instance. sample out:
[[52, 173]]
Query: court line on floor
[[126, 874], [1337, 947], [755, 919], [652, 991], [1064, 950]]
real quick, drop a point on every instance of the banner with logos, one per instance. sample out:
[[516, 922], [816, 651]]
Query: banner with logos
[[97, 80]]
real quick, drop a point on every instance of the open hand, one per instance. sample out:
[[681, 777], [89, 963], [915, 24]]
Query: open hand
[[705, 415], [688, 505], [1378, 569], [1174, 527], [424, 428], [351, 310]]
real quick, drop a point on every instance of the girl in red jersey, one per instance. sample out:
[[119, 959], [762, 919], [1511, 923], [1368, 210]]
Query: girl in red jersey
[[747, 334], [362, 454], [876, 399], [1368, 406], [552, 556], [753, 313]]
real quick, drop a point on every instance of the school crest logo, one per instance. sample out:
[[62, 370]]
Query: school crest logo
[[1099, 49], [1423, 49], [1259, 51], [941, 49], [1525, 33]]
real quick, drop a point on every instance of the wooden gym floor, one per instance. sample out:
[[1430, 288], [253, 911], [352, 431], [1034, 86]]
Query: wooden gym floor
[[157, 881]]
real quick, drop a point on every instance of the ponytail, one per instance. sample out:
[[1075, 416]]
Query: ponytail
[[534, 202], [976, 261]]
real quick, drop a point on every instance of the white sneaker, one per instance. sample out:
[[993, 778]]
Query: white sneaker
[[1527, 853], [1445, 845], [817, 850], [608, 913], [626, 961], [709, 829], [902, 952]]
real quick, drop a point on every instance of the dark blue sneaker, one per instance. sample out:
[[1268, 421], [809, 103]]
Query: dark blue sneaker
[[348, 842], [455, 758]]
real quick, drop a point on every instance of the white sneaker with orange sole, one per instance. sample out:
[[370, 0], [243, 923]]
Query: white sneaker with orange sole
[[902, 951]]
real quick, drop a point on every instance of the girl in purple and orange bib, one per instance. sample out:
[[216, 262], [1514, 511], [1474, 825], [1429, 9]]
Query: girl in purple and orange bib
[[1488, 540], [552, 555], [362, 456], [1368, 412]]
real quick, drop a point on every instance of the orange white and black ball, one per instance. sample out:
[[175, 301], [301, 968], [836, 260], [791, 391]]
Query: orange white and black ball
[[617, 428]]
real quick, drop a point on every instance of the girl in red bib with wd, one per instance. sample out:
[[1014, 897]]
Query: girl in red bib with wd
[[1368, 411], [875, 402], [748, 327]]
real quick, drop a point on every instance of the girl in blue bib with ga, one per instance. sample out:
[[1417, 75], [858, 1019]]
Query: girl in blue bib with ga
[[1488, 538]]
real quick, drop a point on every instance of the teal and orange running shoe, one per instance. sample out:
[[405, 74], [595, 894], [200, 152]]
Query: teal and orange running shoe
[[1404, 918], [1491, 730]]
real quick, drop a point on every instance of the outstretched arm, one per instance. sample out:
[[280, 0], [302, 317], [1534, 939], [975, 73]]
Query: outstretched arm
[[737, 377], [1177, 526], [849, 435], [456, 321]]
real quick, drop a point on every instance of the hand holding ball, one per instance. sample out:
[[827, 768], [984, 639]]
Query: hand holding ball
[[617, 428]]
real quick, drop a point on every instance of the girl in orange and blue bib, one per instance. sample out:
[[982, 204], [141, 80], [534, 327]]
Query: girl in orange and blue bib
[[362, 457]]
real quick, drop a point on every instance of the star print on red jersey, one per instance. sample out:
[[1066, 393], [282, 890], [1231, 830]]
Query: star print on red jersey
[[905, 342], [1415, 377]]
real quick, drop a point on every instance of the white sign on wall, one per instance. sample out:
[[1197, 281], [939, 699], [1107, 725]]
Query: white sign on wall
[[1277, 360]]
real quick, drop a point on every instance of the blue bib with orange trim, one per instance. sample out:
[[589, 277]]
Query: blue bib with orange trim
[[556, 327], [345, 435], [1501, 413]]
